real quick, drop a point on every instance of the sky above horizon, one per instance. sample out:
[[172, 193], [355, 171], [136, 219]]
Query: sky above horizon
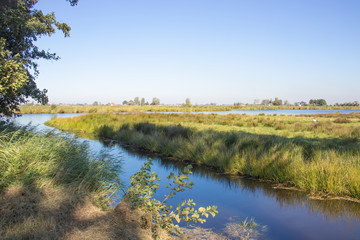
[[206, 50]]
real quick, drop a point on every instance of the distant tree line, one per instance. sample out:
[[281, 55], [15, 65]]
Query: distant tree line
[[142, 102], [236, 104], [279, 102], [350, 104], [276, 102], [266, 102]]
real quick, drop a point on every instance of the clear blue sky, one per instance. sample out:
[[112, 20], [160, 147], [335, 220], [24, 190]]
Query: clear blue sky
[[207, 50]]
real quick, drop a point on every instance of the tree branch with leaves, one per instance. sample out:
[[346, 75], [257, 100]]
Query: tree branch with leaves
[[141, 192], [20, 27]]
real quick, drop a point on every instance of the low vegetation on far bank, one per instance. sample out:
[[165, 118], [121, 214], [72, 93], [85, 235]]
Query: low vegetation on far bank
[[35, 109], [318, 153]]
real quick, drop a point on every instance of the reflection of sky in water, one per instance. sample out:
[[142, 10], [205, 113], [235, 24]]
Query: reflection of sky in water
[[39, 119], [288, 214]]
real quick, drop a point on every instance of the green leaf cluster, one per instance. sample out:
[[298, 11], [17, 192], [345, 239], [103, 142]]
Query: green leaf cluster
[[20, 27], [143, 187], [13, 77]]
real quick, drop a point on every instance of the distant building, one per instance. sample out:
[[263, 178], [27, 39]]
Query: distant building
[[299, 104]]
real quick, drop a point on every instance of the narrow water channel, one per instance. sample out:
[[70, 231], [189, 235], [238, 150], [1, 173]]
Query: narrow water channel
[[286, 214]]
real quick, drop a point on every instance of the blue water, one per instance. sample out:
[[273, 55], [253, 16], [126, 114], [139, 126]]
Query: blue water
[[287, 214]]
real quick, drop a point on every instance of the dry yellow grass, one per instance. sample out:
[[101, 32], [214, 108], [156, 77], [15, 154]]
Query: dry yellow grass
[[54, 212]]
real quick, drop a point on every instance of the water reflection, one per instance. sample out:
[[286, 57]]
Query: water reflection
[[334, 209]]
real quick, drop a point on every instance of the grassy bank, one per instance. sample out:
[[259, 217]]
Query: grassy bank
[[28, 109], [52, 187], [316, 153], [30, 158]]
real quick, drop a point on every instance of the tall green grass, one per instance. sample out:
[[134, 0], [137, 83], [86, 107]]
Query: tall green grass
[[319, 156], [286, 126], [29, 158]]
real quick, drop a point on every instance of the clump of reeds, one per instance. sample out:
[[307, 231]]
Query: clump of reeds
[[342, 120], [51, 185], [28, 158]]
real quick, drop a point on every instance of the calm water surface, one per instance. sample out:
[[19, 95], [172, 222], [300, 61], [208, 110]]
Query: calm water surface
[[287, 214]]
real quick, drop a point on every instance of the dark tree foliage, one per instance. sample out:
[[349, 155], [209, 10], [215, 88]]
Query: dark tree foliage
[[20, 27], [348, 104], [277, 102], [318, 102], [155, 101]]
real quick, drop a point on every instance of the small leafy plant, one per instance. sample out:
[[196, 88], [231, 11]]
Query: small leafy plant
[[143, 187]]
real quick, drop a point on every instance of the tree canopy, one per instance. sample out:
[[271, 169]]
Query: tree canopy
[[318, 102], [277, 102], [155, 101], [20, 27]]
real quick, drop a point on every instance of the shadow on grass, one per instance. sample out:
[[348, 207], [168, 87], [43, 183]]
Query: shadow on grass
[[242, 140], [49, 186], [55, 212]]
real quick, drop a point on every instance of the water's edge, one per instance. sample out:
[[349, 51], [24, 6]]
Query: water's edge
[[288, 214]]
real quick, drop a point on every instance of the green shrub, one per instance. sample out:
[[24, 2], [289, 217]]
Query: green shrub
[[143, 187], [280, 126], [342, 120]]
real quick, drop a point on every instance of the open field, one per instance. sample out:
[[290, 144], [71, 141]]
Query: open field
[[318, 153], [29, 109]]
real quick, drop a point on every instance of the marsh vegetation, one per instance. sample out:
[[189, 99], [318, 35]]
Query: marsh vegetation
[[317, 153], [34, 109]]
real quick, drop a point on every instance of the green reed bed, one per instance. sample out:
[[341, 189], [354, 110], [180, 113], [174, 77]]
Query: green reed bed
[[35, 109], [314, 154], [48, 183], [31, 159]]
